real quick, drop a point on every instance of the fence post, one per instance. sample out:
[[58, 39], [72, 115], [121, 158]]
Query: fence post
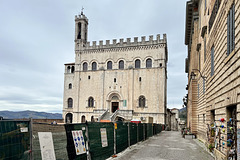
[[31, 139], [137, 133], [87, 146], [144, 138], [129, 134], [114, 128]]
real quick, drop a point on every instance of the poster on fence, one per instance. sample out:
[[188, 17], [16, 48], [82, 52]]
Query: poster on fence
[[79, 142], [46, 145], [104, 137]]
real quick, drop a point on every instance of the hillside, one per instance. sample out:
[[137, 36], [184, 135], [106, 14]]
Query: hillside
[[29, 114]]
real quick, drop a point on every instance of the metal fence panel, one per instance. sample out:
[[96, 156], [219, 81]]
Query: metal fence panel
[[96, 150], [14, 139], [59, 140], [70, 145], [140, 132], [133, 133], [121, 136]]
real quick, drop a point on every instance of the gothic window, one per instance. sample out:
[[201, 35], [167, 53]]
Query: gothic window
[[70, 102], [142, 101], [149, 63], [90, 102], [83, 119], [70, 86], [231, 30], [79, 30], [69, 117], [68, 69], [109, 65], [73, 69], [137, 63], [85, 66], [121, 64], [94, 66]]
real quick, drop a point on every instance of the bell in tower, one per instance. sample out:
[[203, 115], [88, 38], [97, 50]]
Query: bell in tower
[[81, 28]]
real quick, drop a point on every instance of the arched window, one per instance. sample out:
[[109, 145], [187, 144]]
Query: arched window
[[90, 102], [149, 63], [68, 118], [92, 119], [70, 102], [142, 101], [68, 69], [85, 66], [109, 65], [94, 66], [137, 63], [121, 64], [70, 86], [73, 69], [83, 120]]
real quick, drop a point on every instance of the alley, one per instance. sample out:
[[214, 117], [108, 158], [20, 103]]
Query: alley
[[168, 145]]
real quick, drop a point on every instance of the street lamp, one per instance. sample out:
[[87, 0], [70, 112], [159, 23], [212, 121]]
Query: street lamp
[[193, 75]]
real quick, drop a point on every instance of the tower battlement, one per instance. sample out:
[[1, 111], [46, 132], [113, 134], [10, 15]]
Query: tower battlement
[[121, 43]]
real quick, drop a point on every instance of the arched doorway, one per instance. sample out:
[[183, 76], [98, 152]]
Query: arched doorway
[[83, 120], [68, 118], [114, 103], [92, 119]]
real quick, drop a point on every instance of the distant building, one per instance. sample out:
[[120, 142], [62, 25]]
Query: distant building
[[115, 81], [213, 66]]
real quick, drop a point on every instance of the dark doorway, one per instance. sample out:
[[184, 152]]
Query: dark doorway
[[114, 106], [69, 118]]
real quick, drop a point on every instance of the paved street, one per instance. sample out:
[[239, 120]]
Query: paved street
[[168, 145]]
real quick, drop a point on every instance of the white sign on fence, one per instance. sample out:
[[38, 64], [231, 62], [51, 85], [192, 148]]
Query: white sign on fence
[[79, 142], [46, 145], [104, 137]]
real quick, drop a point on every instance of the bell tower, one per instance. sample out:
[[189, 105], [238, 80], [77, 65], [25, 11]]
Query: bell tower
[[81, 29]]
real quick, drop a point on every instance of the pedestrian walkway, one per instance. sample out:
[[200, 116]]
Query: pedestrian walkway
[[168, 145]]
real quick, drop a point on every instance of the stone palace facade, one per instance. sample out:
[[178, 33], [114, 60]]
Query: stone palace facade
[[122, 80]]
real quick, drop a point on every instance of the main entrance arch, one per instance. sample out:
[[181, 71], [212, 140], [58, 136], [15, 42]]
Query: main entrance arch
[[114, 100]]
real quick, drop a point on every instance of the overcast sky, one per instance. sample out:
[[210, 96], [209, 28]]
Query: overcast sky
[[37, 39]]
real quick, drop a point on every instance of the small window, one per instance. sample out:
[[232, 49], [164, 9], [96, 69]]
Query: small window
[[83, 119], [121, 64], [70, 102], [70, 86], [89, 77], [94, 66], [73, 69], [212, 61], [142, 101], [109, 65], [85, 66], [205, 49], [149, 63], [115, 80], [140, 79], [231, 30], [160, 65], [137, 63], [68, 69], [90, 102]]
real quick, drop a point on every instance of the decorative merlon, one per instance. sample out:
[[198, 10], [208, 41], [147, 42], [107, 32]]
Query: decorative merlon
[[121, 43]]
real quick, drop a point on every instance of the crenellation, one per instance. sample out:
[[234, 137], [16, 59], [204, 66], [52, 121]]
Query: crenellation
[[127, 43], [114, 42], [121, 42], [151, 38], [135, 40], [143, 39], [101, 43]]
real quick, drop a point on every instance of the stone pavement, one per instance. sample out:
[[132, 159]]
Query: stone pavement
[[168, 145]]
